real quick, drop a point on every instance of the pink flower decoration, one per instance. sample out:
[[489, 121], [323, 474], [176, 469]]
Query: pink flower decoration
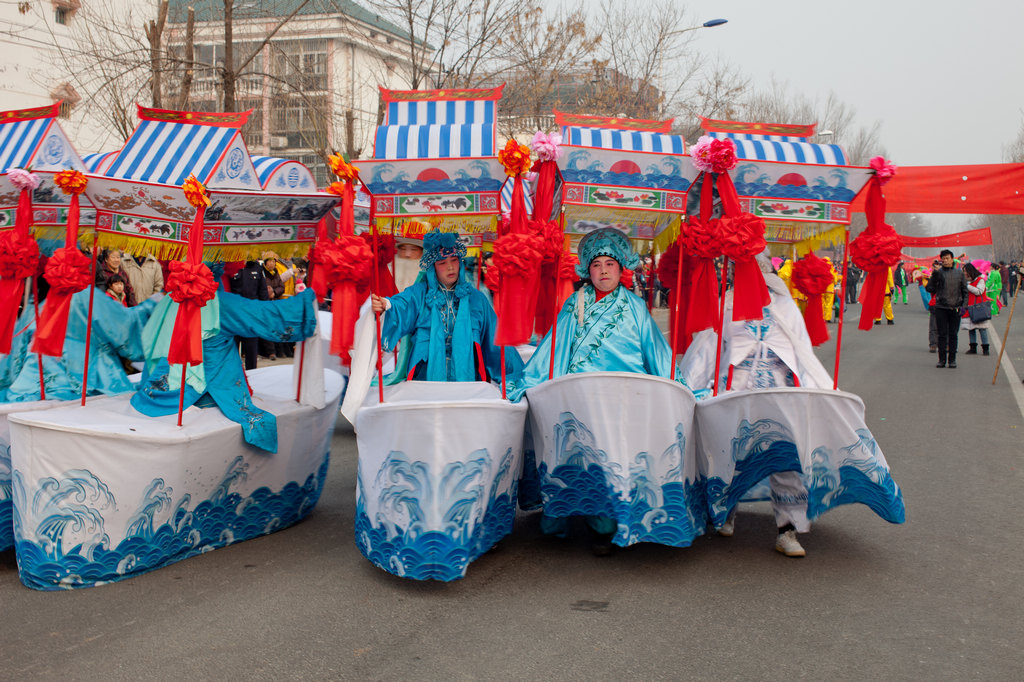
[[883, 169], [714, 155], [546, 147], [22, 179]]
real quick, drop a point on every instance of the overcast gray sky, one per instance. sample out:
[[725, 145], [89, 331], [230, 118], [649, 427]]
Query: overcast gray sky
[[945, 78]]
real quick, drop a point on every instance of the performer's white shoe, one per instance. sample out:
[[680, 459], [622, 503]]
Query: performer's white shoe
[[788, 544], [729, 527]]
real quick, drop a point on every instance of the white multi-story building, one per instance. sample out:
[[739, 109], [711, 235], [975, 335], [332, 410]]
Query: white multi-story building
[[313, 87]]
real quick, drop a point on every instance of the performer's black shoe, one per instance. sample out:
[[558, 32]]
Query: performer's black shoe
[[878, 322], [940, 365], [890, 322], [952, 364], [600, 543]]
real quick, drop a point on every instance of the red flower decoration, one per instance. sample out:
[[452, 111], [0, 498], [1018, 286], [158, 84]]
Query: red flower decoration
[[67, 270], [742, 237], [336, 188], [812, 276], [386, 247], [668, 267], [70, 181], [190, 283], [518, 254], [701, 239], [19, 256], [875, 252], [568, 271], [626, 279], [551, 239], [195, 192], [515, 158], [346, 259], [492, 278]]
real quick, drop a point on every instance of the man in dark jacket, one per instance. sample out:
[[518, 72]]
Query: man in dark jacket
[[249, 282], [949, 286]]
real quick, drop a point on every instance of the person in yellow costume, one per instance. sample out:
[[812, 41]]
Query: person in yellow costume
[[785, 273], [887, 305], [828, 299]]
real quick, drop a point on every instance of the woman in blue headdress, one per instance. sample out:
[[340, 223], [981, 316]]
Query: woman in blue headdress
[[602, 327], [452, 324]]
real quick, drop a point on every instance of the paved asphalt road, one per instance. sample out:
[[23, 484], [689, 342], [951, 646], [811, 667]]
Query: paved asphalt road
[[939, 597]]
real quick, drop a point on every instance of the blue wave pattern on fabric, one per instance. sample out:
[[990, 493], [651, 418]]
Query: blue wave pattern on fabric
[[453, 519], [656, 180], [648, 506], [78, 499], [853, 475], [6, 500]]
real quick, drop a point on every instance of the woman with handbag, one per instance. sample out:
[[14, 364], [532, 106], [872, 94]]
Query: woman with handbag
[[977, 315]]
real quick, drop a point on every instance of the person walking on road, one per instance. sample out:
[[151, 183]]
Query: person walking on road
[[975, 294], [949, 287], [901, 282]]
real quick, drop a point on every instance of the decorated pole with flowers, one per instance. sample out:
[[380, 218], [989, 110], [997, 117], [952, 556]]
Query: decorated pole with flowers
[[878, 247], [547, 149], [19, 256], [812, 277], [517, 255], [67, 271], [191, 284]]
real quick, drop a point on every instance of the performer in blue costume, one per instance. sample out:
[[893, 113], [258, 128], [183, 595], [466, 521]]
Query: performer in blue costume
[[220, 380], [602, 327], [451, 323], [116, 334]]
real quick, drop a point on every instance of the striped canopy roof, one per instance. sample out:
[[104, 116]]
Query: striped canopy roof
[[167, 147], [437, 124], [784, 148], [33, 137], [286, 175], [97, 163], [626, 140]]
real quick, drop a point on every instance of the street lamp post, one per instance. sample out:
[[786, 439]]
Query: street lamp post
[[711, 23]]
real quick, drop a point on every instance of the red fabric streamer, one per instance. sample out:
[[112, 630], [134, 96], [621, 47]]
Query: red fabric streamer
[[347, 265], [981, 189], [518, 256], [812, 277], [875, 251], [192, 285], [19, 259], [67, 272], [626, 279], [544, 190], [979, 237], [551, 248], [23, 214], [567, 276], [386, 249], [742, 240], [492, 278], [702, 240]]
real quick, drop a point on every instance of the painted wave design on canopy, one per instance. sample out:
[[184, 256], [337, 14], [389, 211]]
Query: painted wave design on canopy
[[642, 180], [74, 505], [758, 450], [432, 528], [833, 186], [6, 500], [650, 503], [852, 474]]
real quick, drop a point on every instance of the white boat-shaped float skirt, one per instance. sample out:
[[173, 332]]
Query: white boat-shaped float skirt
[[620, 445], [102, 493], [438, 470], [744, 436]]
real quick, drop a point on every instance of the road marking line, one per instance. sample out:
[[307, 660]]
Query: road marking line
[[1011, 374]]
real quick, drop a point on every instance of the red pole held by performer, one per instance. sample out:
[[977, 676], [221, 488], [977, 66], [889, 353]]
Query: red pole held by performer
[[558, 277], [35, 302], [676, 322], [88, 322], [374, 288], [842, 308]]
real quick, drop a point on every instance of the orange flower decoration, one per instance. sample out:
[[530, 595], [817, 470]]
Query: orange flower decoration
[[342, 168], [515, 158], [70, 181], [195, 192], [337, 188]]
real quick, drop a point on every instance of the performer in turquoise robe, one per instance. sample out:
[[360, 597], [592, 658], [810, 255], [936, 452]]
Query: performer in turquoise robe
[[116, 334], [449, 322], [220, 380], [602, 327]]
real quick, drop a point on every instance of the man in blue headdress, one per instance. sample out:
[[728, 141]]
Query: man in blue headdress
[[451, 323]]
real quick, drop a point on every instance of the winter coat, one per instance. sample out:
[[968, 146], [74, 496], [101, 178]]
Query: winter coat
[[949, 286], [146, 279]]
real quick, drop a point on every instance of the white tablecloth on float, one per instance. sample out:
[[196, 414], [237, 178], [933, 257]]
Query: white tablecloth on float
[[438, 470], [103, 493], [620, 445], [744, 436], [6, 498]]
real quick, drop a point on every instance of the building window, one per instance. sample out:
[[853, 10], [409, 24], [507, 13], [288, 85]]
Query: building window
[[61, 15], [63, 10], [68, 98]]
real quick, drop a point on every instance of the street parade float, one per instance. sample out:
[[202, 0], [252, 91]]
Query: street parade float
[[128, 483], [438, 460]]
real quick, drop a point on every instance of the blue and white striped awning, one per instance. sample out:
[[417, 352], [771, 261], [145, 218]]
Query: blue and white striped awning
[[434, 141], [97, 163], [784, 148], [166, 152], [265, 166], [441, 112], [283, 175], [19, 141], [506, 196], [625, 140]]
